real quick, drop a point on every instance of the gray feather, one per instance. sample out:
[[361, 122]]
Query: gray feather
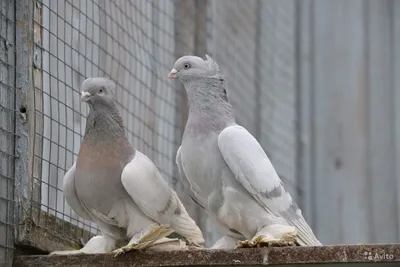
[[223, 166], [115, 185]]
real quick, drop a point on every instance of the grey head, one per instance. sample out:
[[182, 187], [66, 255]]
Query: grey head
[[98, 92], [200, 77], [188, 68], [206, 90]]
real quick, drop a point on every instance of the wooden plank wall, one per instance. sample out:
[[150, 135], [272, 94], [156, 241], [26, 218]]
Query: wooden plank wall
[[348, 114]]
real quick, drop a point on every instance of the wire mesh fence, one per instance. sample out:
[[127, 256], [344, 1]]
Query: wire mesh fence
[[7, 129], [131, 42], [273, 54], [254, 42], [135, 43]]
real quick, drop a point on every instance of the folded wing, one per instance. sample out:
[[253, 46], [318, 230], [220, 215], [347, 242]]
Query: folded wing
[[148, 189], [253, 169]]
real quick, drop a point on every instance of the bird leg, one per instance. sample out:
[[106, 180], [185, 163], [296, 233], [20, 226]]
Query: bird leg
[[96, 245], [272, 236], [147, 239]]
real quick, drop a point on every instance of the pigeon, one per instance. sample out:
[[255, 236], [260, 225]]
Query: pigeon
[[226, 171], [118, 187]]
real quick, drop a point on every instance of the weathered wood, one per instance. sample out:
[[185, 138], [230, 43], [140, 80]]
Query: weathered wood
[[45, 234], [338, 78], [396, 69], [381, 115], [349, 117], [343, 256], [25, 121], [276, 56], [304, 68]]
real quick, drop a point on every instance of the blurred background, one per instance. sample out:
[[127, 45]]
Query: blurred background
[[316, 82]]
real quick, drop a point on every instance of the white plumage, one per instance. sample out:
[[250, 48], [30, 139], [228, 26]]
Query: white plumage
[[227, 172], [119, 188]]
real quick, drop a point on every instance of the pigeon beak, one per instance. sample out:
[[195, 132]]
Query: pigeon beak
[[172, 74], [85, 96]]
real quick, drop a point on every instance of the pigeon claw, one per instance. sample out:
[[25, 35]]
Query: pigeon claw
[[155, 233], [126, 248], [287, 240]]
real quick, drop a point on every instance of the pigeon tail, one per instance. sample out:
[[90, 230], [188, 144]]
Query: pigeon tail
[[306, 236]]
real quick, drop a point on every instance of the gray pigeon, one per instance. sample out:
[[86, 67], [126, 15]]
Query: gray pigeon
[[227, 172], [119, 188]]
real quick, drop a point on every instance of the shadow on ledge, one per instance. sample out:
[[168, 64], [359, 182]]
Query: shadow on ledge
[[346, 255]]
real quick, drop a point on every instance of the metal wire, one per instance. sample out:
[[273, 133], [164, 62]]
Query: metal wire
[[131, 42], [7, 130], [254, 42], [135, 43]]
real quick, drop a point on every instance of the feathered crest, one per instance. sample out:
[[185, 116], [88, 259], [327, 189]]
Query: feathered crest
[[112, 86], [212, 64]]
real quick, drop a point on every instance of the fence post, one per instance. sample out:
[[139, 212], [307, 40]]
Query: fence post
[[24, 103], [190, 39]]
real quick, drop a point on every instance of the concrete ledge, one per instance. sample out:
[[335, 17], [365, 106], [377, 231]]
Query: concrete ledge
[[364, 255]]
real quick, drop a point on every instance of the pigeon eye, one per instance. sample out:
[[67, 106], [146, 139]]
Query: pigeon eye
[[101, 90], [186, 66]]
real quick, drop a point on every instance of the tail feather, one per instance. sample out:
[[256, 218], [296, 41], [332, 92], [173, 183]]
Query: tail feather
[[185, 226], [306, 236]]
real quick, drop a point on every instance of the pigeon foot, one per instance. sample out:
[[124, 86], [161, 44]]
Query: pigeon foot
[[272, 236], [265, 241], [155, 233]]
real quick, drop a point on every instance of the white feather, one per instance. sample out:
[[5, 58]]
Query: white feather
[[70, 193], [212, 64], [253, 169], [152, 194], [148, 189]]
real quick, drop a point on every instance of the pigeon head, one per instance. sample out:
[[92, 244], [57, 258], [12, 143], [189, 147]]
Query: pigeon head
[[206, 91], [103, 120], [98, 91], [189, 68]]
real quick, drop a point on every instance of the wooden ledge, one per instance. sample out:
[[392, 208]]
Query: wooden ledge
[[339, 255]]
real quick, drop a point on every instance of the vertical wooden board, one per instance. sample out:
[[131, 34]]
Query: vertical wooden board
[[381, 152], [339, 119], [234, 36], [396, 87], [276, 89], [304, 73]]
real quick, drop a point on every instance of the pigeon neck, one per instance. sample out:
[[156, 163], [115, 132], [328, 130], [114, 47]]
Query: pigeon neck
[[208, 103], [104, 123]]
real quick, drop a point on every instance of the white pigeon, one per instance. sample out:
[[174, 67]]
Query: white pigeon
[[226, 170], [119, 188]]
